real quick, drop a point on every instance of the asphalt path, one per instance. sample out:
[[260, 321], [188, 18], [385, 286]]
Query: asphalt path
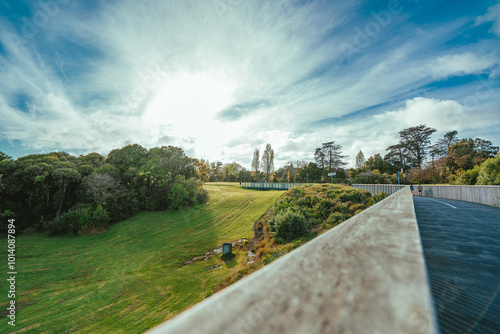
[[461, 242]]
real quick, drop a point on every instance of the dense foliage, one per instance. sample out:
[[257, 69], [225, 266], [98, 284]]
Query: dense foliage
[[68, 194], [312, 208]]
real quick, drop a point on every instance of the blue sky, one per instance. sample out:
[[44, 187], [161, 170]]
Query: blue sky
[[221, 78]]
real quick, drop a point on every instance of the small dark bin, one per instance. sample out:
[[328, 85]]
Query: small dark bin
[[227, 248]]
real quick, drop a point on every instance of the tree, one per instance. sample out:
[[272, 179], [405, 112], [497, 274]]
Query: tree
[[489, 172], [64, 177], [441, 148], [4, 156], [125, 157], [467, 153], [267, 163], [329, 157], [413, 144], [484, 148], [255, 162], [203, 168], [360, 160], [310, 172], [231, 172], [215, 171], [101, 186]]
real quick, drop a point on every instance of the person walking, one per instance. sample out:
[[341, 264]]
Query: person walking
[[419, 190], [412, 189]]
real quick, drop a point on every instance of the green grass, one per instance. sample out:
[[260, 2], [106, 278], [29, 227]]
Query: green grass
[[131, 277]]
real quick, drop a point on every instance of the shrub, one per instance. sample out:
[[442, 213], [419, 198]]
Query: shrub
[[82, 219], [323, 209], [291, 225], [336, 218], [273, 256], [378, 197], [489, 172]]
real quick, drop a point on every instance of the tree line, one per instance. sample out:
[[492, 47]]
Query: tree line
[[62, 193], [420, 161]]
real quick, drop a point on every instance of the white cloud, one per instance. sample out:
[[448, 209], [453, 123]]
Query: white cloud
[[162, 73], [461, 64], [493, 15]]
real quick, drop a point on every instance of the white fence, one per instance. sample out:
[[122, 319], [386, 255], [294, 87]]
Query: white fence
[[378, 188], [269, 185]]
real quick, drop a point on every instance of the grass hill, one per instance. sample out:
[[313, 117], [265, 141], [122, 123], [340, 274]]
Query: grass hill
[[139, 273]]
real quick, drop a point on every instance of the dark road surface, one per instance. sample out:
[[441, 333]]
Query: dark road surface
[[461, 242]]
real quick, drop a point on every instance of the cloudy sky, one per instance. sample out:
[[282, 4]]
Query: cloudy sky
[[220, 78]]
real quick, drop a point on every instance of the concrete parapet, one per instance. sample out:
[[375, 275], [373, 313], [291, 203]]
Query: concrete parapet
[[366, 275], [489, 195]]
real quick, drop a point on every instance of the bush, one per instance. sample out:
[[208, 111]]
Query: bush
[[83, 219], [378, 197], [336, 218], [291, 225], [323, 209], [489, 172]]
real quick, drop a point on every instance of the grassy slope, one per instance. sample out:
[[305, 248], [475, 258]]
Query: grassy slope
[[130, 278]]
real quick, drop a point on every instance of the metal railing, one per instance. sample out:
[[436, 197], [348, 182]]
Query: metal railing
[[378, 188]]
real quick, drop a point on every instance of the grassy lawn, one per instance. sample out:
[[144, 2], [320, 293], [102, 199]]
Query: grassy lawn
[[131, 277]]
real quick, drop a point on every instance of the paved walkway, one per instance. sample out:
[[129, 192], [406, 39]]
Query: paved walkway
[[461, 243]]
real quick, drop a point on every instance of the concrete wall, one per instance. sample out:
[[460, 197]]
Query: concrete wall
[[378, 188], [366, 275], [489, 195]]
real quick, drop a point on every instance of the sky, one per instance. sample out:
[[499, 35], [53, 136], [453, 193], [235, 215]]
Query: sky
[[222, 78]]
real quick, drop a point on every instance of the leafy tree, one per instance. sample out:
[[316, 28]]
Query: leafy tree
[[244, 175], [311, 171], [360, 159], [255, 162], [64, 177], [467, 153], [484, 148], [108, 169], [93, 159], [489, 172], [289, 170], [203, 168], [128, 156], [441, 148], [320, 158], [4, 156], [231, 171], [329, 157], [215, 171], [267, 163], [413, 144]]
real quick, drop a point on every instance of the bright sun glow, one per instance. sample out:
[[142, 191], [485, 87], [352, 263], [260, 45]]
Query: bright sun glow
[[188, 98]]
